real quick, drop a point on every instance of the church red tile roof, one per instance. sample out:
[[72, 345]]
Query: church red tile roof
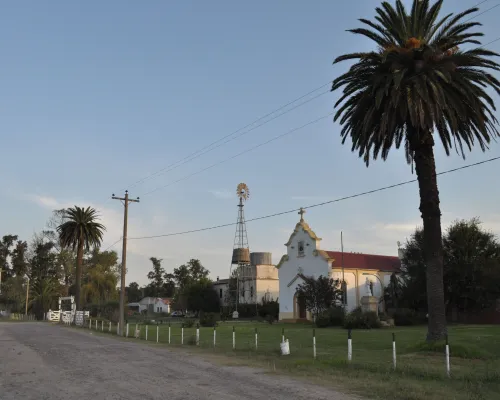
[[365, 261]]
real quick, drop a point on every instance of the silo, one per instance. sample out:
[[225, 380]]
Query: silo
[[240, 256], [261, 258]]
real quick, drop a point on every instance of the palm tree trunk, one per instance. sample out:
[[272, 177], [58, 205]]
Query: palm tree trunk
[[425, 166], [79, 264]]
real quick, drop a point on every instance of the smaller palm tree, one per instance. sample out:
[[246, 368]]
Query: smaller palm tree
[[44, 293], [81, 231]]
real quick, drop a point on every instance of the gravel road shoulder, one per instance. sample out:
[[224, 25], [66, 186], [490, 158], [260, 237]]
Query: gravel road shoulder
[[42, 361]]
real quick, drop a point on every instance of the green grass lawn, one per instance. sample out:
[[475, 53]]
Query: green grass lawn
[[420, 372]]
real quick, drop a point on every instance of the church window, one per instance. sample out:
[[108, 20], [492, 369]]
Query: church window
[[301, 249]]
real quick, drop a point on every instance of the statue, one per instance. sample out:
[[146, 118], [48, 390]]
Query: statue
[[368, 288]]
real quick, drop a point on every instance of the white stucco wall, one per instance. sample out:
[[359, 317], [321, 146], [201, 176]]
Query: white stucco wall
[[310, 265], [352, 289]]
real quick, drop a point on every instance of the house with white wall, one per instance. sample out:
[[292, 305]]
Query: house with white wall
[[152, 305]]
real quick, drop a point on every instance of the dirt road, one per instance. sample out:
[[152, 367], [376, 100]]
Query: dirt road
[[40, 361]]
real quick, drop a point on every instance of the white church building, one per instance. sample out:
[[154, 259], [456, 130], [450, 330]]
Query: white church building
[[305, 258]]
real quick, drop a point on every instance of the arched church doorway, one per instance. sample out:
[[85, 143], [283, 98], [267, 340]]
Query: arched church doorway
[[300, 311]]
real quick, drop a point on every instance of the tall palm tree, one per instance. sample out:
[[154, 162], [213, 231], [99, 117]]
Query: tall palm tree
[[80, 231], [416, 85]]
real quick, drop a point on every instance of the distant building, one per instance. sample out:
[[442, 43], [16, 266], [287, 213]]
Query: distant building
[[259, 280], [221, 286], [151, 305]]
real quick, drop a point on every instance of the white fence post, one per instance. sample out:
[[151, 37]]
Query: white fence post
[[349, 346], [215, 334], [127, 329], [197, 335], [157, 333], [169, 327], [146, 333], [95, 324], [394, 350], [90, 323], [109, 330], [256, 339], [234, 339], [314, 343], [182, 335], [117, 328], [102, 326], [135, 332], [447, 356]]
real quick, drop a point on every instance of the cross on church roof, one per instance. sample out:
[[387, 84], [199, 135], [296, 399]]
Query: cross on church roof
[[301, 213]]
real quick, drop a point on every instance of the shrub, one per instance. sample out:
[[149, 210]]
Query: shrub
[[323, 320], [208, 320], [188, 323], [337, 316], [361, 320], [270, 319], [405, 317], [269, 308]]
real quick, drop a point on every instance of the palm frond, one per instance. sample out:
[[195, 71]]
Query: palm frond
[[419, 82]]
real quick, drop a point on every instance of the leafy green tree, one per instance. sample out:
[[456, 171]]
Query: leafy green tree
[[192, 271], [81, 231], [100, 277], [66, 256], [185, 276], [320, 294], [201, 297], [6, 245], [417, 82], [133, 292], [100, 285], [156, 277], [471, 268], [19, 261]]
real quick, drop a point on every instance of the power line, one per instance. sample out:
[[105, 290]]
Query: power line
[[264, 143], [318, 204], [107, 248], [208, 148], [240, 154]]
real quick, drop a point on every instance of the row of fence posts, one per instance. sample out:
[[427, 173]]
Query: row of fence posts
[[349, 340]]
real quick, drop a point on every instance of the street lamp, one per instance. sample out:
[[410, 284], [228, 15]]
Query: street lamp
[[381, 285]]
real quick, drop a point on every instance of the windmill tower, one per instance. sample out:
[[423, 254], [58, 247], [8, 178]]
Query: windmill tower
[[240, 261]]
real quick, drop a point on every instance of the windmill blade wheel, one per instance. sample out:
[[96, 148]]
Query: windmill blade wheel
[[242, 191]]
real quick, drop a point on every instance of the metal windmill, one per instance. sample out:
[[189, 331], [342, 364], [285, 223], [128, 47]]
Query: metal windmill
[[241, 250]]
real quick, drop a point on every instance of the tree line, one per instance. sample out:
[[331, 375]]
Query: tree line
[[65, 259], [471, 271], [61, 260], [188, 286]]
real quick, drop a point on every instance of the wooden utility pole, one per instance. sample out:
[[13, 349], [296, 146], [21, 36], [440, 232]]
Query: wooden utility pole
[[1, 270], [126, 202]]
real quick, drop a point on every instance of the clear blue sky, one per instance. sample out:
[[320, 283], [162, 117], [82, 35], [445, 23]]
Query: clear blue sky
[[96, 95]]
